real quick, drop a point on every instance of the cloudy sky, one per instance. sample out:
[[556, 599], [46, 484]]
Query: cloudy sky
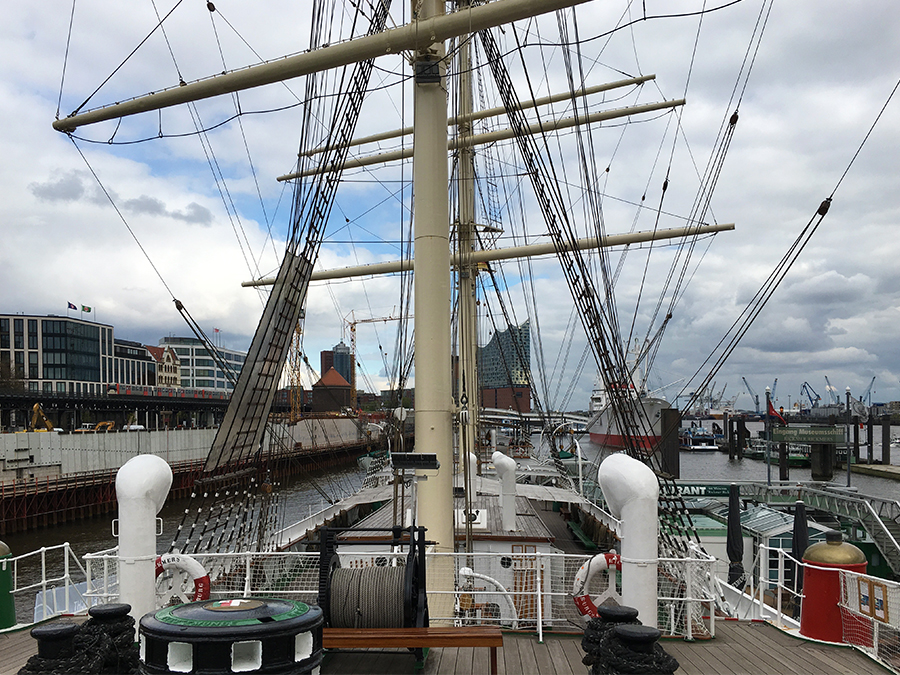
[[159, 224]]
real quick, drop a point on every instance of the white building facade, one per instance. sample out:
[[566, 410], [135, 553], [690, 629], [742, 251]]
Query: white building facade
[[198, 367]]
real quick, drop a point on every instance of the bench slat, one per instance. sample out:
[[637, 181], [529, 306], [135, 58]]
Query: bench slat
[[435, 636]]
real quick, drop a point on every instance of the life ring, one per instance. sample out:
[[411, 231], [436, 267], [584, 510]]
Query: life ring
[[584, 602], [181, 561]]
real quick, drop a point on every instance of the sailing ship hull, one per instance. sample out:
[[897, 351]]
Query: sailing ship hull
[[604, 430]]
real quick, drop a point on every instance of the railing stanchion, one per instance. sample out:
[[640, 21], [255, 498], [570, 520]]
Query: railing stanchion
[[780, 585], [540, 597]]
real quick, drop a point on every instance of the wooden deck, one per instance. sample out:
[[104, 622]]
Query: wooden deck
[[740, 648]]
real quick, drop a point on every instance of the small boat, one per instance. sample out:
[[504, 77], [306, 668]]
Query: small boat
[[697, 439]]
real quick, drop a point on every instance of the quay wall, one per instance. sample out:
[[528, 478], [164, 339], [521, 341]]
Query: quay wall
[[48, 478], [38, 455]]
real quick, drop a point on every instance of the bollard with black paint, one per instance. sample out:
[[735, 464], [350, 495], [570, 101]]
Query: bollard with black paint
[[616, 643]]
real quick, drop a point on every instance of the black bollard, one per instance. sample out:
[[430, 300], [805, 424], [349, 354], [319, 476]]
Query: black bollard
[[113, 632], [633, 649], [55, 639], [638, 638], [598, 629]]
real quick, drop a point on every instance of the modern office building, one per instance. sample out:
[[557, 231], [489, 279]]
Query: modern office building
[[340, 358], [343, 361], [199, 369], [56, 353]]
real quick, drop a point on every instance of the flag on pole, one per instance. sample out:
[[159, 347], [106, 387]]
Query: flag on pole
[[85, 308], [774, 413], [216, 330], [71, 306]]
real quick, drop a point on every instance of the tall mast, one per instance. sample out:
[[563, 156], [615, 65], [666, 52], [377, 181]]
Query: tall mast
[[469, 391], [431, 234]]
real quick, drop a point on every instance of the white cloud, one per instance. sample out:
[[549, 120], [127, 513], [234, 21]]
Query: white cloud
[[818, 81]]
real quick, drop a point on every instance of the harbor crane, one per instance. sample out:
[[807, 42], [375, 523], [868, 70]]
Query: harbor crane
[[774, 386], [867, 397], [831, 392], [811, 394], [753, 394]]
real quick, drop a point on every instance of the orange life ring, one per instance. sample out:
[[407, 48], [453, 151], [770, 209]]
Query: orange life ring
[[182, 561], [584, 602]]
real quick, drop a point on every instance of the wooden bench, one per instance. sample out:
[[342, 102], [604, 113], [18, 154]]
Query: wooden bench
[[411, 638]]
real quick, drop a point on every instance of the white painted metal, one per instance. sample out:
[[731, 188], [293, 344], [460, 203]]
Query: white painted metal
[[632, 491], [141, 488], [511, 252], [493, 112], [506, 470], [431, 208], [428, 29], [494, 136]]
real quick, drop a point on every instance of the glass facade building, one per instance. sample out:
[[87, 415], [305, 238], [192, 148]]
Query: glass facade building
[[505, 360], [56, 354]]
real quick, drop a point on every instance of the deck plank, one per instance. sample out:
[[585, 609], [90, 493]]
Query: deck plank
[[542, 660], [557, 653], [740, 648]]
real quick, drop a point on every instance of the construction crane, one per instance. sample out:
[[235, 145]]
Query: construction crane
[[811, 394], [352, 324], [867, 397], [753, 394]]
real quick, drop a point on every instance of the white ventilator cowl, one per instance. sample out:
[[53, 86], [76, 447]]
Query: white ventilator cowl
[[506, 471], [142, 485], [632, 491]]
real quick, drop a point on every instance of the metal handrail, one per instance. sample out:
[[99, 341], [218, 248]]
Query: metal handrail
[[46, 582]]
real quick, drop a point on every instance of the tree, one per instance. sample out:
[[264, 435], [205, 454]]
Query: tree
[[9, 380]]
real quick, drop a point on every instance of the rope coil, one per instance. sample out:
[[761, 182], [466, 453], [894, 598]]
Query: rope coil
[[369, 597]]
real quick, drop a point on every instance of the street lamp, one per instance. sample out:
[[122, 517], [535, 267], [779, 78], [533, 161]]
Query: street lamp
[[847, 444], [768, 437]]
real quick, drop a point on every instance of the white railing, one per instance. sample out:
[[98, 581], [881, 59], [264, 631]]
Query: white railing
[[780, 593], [870, 616], [55, 575], [521, 590]]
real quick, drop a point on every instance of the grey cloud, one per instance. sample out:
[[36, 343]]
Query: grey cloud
[[67, 188], [71, 187], [144, 204], [194, 213]]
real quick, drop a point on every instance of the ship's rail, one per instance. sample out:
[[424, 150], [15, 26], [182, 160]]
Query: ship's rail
[[870, 616], [52, 574], [773, 591], [880, 517], [531, 591]]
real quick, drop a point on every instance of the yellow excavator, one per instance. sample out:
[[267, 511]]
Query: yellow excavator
[[38, 418], [100, 426]]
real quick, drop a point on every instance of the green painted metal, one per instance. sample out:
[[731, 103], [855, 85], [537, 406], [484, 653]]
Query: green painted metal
[[7, 602]]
